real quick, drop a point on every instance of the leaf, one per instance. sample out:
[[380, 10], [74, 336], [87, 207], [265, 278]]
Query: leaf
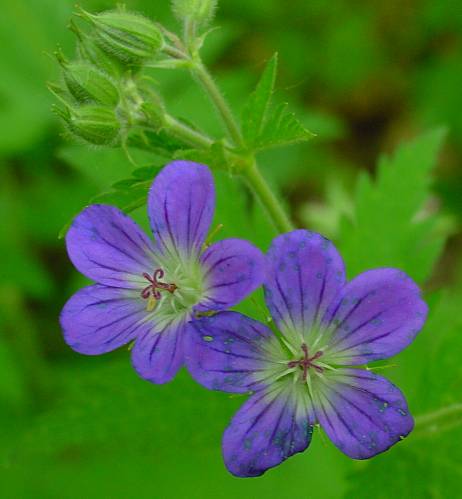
[[263, 129], [390, 226], [256, 109], [127, 199], [159, 143], [216, 157], [145, 172], [128, 194], [282, 128]]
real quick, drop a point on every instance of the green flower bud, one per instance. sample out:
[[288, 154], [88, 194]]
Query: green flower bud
[[89, 85], [199, 11], [89, 51], [92, 123], [131, 38]]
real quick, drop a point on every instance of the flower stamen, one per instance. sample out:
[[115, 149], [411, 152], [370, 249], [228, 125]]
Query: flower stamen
[[306, 362], [152, 291]]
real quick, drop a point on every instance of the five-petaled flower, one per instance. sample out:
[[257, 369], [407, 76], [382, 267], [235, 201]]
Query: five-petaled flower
[[303, 375], [148, 291]]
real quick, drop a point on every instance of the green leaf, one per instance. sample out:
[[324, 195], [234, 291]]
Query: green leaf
[[128, 194], [390, 225], [282, 128], [127, 199], [215, 157], [159, 143], [263, 128], [145, 172], [256, 109]]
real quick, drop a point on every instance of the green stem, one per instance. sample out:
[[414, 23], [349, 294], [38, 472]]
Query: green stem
[[250, 172], [263, 192], [215, 95], [187, 134]]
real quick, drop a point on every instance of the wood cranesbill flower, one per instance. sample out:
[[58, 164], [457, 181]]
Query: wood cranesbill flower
[[146, 290], [304, 374]]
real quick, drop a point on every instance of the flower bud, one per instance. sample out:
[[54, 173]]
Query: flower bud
[[89, 51], [94, 124], [89, 85], [199, 11], [131, 38]]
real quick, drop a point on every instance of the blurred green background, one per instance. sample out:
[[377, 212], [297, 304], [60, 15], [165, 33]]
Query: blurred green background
[[365, 76]]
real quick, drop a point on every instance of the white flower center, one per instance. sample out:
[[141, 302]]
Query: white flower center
[[173, 290]]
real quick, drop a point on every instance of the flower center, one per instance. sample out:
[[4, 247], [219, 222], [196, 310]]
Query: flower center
[[173, 291], [155, 286], [306, 362]]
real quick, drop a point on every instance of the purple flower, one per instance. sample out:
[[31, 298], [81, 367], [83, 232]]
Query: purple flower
[[148, 291], [301, 377]]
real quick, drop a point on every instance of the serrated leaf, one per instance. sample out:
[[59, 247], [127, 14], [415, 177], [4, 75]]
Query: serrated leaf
[[256, 109], [145, 172], [282, 128], [215, 157], [388, 227], [126, 199], [128, 194], [156, 142]]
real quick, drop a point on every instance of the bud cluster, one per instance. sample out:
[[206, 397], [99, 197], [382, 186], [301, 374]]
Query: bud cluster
[[102, 94]]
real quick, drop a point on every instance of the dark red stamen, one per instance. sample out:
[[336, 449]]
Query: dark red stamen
[[306, 362], [155, 286]]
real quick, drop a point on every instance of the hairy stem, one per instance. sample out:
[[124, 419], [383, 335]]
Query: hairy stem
[[218, 100], [187, 134], [264, 193]]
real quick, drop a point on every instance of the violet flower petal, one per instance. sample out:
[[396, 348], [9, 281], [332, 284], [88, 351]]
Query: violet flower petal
[[375, 316], [226, 351], [266, 430], [98, 319], [362, 413], [181, 203], [233, 268], [305, 273], [108, 247], [157, 357]]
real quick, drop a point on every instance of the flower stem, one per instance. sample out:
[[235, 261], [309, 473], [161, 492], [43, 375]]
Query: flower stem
[[211, 89], [187, 134], [264, 193], [249, 170]]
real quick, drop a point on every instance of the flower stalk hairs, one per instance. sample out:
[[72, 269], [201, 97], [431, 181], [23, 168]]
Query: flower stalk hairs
[[147, 291], [305, 374]]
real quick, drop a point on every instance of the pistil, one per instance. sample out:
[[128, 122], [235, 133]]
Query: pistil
[[306, 362], [152, 291]]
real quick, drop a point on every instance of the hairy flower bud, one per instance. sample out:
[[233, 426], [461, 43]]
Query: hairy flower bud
[[131, 38], [94, 124], [89, 85], [200, 11], [89, 51]]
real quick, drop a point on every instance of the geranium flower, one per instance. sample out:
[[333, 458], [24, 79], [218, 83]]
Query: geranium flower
[[146, 290], [302, 375]]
